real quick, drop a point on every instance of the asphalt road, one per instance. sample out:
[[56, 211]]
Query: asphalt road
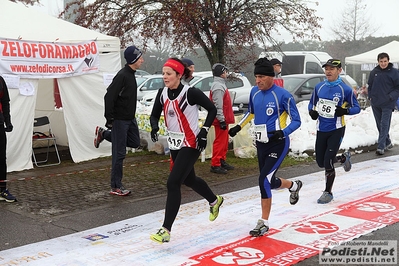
[[21, 228]]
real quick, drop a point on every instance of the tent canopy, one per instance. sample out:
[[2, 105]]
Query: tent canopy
[[370, 57], [82, 96], [30, 25]]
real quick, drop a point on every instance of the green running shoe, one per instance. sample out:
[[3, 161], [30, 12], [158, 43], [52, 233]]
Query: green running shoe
[[161, 236], [214, 210]]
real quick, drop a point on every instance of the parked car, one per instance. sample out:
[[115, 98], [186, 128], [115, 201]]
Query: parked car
[[350, 80], [301, 87], [140, 72], [238, 85], [148, 84], [304, 62]]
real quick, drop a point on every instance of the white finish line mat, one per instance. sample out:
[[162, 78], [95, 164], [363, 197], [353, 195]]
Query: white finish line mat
[[365, 199]]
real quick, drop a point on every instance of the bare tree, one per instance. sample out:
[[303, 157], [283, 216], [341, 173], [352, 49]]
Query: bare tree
[[158, 53], [227, 30], [354, 24], [27, 2]]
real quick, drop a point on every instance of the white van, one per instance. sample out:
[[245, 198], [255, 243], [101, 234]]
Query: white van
[[299, 62], [304, 62]]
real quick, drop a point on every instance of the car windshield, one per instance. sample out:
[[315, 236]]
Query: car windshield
[[291, 83], [141, 73], [195, 78], [233, 83], [154, 83], [140, 80]]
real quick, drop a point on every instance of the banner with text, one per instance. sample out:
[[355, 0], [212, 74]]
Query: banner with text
[[32, 59]]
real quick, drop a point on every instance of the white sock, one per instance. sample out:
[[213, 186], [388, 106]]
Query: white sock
[[294, 186], [266, 222], [213, 203]]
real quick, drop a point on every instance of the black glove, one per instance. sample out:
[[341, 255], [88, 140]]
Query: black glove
[[313, 114], [223, 125], [234, 130], [109, 122], [339, 111], [9, 127], [201, 139], [278, 135], [154, 134]]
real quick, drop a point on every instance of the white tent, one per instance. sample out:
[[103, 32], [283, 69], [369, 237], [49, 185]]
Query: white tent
[[82, 96], [370, 57]]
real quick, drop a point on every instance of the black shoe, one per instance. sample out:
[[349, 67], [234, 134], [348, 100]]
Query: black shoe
[[225, 165], [294, 196], [260, 229], [218, 170]]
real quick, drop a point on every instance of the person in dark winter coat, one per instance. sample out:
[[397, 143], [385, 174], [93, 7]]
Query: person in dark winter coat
[[5, 126], [383, 92], [120, 114]]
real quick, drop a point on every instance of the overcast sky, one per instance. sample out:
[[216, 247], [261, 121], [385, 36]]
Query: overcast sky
[[383, 13]]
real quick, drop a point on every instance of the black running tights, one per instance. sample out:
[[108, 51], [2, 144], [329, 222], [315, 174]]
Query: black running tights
[[183, 173]]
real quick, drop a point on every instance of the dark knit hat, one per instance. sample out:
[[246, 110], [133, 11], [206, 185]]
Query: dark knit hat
[[275, 61], [264, 67], [132, 54], [218, 69], [187, 61]]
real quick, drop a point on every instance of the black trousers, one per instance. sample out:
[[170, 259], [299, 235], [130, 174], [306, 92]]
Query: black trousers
[[327, 146], [3, 163]]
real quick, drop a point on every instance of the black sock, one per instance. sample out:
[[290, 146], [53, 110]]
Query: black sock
[[341, 158], [330, 177]]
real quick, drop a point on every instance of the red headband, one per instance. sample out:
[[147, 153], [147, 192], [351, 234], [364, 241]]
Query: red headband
[[175, 65]]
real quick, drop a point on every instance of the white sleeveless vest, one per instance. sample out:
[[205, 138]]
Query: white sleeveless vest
[[180, 116]]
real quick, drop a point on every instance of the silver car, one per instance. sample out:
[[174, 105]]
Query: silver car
[[148, 84], [237, 84], [301, 87]]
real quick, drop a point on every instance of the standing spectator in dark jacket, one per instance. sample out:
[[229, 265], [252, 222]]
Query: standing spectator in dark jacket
[[220, 97], [383, 92], [120, 111], [5, 126]]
